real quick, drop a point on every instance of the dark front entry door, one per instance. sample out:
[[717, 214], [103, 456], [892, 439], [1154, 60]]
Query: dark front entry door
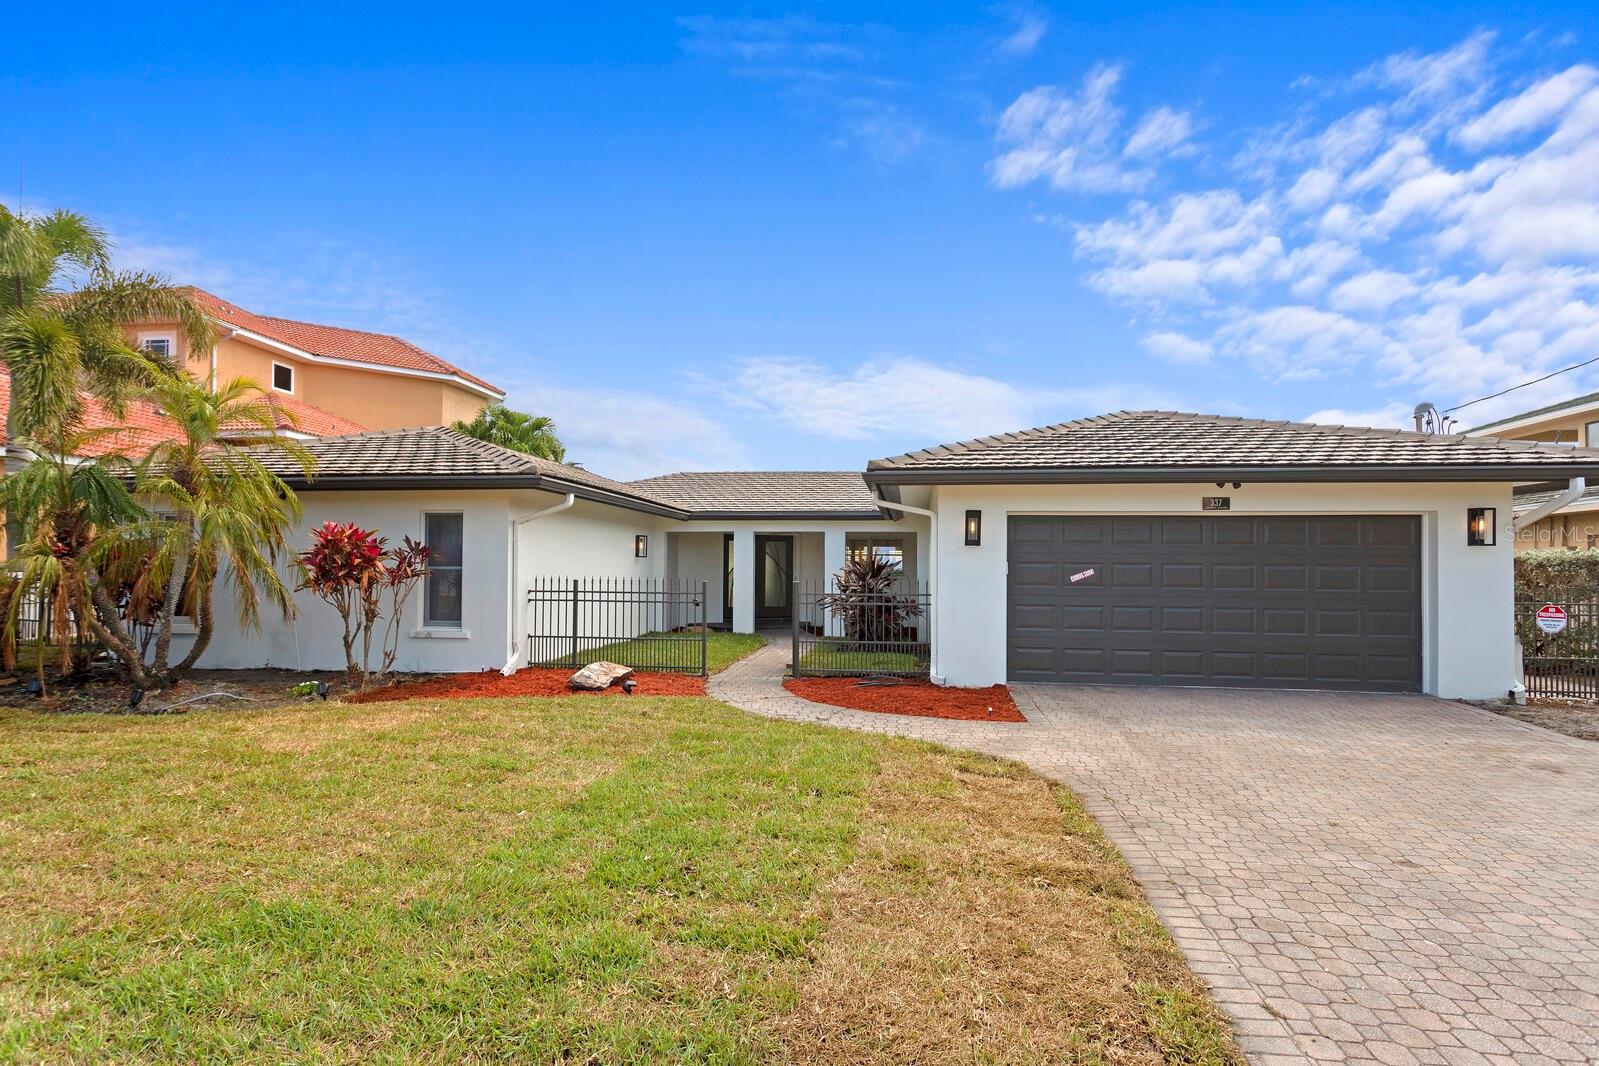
[[774, 581], [1288, 601]]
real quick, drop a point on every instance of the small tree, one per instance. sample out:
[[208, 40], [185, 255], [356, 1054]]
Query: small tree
[[868, 600], [532, 434], [352, 569]]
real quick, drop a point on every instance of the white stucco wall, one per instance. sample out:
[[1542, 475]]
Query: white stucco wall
[[1467, 651], [813, 559], [312, 640]]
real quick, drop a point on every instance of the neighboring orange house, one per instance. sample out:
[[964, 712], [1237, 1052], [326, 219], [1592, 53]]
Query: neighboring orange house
[[329, 379]]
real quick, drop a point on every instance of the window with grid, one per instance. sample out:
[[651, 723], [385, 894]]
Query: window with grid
[[443, 533]]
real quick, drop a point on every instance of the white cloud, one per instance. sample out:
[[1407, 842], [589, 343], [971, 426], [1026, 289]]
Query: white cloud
[[1027, 33], [628, 435], [896, 395], [1388, 416], [1163, 131], [1535, 106], [1179, 348], [1419, 227], [1074, 140]]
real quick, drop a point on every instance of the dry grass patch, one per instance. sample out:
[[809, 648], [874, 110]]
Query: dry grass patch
[[605, 881], [986, 919]]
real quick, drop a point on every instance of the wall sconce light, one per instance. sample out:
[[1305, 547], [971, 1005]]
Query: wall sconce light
[[1480, 531], [974, 528], [641, 546]]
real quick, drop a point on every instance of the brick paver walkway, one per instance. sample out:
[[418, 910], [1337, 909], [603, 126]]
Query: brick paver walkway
[[1359, 878]]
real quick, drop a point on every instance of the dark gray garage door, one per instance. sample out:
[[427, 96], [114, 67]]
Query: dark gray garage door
[[1291, 602]]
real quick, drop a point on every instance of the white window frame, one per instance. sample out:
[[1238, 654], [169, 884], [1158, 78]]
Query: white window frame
[[292, 376], [162, 335], [429, 624]]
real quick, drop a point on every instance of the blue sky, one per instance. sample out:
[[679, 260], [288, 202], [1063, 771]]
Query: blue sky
[[807, 237]]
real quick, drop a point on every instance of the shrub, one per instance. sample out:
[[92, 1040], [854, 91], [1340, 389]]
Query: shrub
[[354, 570], [1574, 571]]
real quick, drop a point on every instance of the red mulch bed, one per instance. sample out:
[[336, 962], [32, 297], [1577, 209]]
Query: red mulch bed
[[920, 698], [529, 682]]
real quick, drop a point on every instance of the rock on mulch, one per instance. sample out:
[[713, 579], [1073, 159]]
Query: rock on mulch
[[921, 699], [530, 682]]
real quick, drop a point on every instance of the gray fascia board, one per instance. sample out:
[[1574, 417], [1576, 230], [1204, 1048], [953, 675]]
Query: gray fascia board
[[367, 483], [775, 516], [1179, 475]]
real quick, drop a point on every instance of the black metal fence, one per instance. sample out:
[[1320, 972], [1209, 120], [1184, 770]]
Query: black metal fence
[[1563, 663], [645, 623], [840, 632]]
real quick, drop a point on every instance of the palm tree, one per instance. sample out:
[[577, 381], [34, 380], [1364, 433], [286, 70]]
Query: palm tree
[[532, 434], [66, 503], [57, 338], [218, 512]]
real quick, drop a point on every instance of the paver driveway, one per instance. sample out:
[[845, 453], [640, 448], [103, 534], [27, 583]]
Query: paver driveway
[[1359, 878]]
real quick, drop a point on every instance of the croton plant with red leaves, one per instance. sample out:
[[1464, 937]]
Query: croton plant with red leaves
[[355, 570]]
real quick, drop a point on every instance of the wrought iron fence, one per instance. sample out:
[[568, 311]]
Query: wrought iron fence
[[645, 623], [1565, 663], [841, 632]]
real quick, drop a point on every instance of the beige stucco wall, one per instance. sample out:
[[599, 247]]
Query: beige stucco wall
[[1467, 646], [1566, 529], [375, 398]]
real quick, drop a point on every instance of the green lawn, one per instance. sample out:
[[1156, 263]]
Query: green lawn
[[839, 656], [560, 880], [722, 650]]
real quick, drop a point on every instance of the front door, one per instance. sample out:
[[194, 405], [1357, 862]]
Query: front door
[[774, 581]]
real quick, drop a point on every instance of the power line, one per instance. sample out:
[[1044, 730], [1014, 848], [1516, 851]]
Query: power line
[[1524, 384]]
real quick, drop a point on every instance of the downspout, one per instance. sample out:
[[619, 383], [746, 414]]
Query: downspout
[[1574, 488], [932, 574], [513, 615]]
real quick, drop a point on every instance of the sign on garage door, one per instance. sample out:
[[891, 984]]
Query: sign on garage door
[[1290, 601]]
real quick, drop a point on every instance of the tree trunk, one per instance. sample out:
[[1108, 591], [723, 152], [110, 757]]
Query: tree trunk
[[174, 596], [204, 626], [107, 625]]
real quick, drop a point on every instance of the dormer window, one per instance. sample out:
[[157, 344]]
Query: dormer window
[[282, 377]]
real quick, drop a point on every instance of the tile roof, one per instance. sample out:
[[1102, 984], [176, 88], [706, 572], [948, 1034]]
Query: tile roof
[[733, 493], [1572, 404], [141, 427], [300, 417], [1588, 501], [336, 342], [439, 457], [1175, 446]]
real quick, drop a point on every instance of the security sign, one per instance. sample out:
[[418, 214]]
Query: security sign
[[1551, 618]]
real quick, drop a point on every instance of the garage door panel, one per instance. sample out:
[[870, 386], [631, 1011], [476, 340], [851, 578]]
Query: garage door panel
[[1318, 601]]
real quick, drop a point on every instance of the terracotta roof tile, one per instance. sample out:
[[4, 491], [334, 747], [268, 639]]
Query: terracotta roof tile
[[336, 342]]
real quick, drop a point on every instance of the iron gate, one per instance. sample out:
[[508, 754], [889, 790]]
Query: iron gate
[[840, 633], [645, 623], [1566, 663]]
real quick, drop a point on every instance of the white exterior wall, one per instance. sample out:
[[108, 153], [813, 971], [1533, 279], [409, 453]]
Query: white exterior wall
[[1468, 650], [587, 540], [313, 639]]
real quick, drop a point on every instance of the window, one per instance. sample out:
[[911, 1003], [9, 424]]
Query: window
[[282, 377], [442, 534], [891, 551], [1590, 435], [160, 345]]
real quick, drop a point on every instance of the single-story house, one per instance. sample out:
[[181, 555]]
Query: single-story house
[[1140, 547]]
